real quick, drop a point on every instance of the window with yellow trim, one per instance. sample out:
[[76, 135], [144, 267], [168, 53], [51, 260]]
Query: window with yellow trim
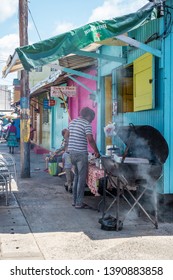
[[135, 85]]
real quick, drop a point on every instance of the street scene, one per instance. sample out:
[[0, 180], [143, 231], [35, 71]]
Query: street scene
[[41, 223], [86, 132]]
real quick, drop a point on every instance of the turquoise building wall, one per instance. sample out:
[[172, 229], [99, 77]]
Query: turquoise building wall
[[161, 117], [59, 121], [167, 78]]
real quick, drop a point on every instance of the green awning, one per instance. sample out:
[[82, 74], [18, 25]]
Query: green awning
[[44, 52]]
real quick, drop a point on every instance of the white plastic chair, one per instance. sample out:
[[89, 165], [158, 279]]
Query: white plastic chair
[[5, 180], [11, 164]]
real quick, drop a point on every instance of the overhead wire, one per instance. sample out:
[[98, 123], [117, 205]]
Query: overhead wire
[[168, 26], [34, 24], [168, 23]]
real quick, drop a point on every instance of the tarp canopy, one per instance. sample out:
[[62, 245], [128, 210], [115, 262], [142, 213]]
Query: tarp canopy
[[47, 51]]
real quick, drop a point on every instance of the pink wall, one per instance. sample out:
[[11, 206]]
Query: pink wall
[[82, 99]]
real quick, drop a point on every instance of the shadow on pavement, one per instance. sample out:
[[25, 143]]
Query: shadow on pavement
[[41, 204]]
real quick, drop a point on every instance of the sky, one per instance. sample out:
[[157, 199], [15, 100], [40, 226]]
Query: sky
[[47, 18]]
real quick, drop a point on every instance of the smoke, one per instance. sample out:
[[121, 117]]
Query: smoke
[[141, 175]]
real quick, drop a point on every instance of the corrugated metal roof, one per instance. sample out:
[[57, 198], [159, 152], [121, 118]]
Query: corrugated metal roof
[[70, 61], [76, 61], [45, 86]]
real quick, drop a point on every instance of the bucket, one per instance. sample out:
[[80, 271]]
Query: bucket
[[52, 167], [109, 150]]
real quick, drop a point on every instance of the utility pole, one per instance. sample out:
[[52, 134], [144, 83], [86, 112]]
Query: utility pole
[[24, 97]]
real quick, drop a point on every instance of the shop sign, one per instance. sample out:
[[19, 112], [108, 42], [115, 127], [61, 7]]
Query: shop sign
[[68, 91], [52, 102], [46, 103], [24, 103]]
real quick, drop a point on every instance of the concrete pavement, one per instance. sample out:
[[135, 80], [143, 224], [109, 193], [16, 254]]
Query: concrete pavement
[[40, 223]]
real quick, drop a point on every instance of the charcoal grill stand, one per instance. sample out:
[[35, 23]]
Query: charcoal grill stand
[[122, 185], [140, 166]]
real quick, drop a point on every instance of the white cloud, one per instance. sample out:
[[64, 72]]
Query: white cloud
[[7, 9], [7, 44], [115, 8], [109, 9], [62, 27]]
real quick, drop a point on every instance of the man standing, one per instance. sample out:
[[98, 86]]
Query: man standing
[[80, 134]]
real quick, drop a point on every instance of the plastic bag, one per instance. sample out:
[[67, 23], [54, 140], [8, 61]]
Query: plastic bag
[[110, 130]]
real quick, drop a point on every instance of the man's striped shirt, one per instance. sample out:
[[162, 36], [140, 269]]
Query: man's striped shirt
[[78, 129]]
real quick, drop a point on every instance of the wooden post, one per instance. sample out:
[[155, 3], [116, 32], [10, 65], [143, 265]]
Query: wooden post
[[24, 98]]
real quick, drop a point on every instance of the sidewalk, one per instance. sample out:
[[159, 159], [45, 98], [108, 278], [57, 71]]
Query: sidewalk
[[40, 223]]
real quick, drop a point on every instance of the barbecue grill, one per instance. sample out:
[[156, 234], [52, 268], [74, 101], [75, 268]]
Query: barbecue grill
[[139, 166]]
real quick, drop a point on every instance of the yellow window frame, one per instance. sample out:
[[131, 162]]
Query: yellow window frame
[[143, 82]]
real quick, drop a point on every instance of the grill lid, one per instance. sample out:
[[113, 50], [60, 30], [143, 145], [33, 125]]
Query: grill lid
[[144, 142]]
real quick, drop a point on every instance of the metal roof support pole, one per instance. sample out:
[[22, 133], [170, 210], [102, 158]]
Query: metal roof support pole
[[78, 73], [82, 85], [139, 45], [24, 99], [101, 56]]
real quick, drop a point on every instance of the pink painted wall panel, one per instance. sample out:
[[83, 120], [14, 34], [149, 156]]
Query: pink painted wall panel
[[82, 99]]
